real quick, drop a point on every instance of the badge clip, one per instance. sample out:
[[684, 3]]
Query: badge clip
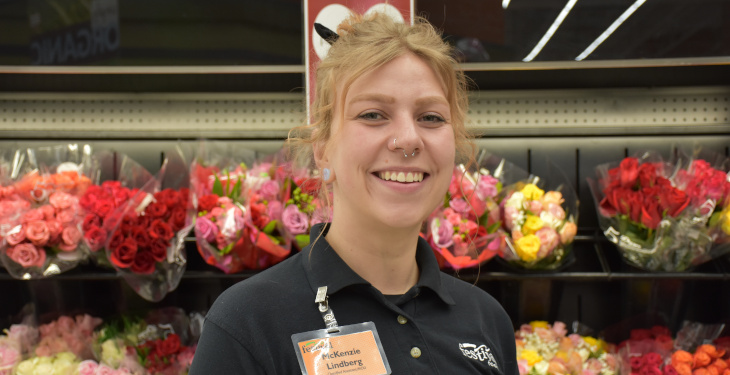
[[324, 309]]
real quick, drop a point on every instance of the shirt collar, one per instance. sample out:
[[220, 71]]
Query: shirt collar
[[324, 267]]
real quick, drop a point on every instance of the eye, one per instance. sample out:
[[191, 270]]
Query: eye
[[432, 118], [371, 116]]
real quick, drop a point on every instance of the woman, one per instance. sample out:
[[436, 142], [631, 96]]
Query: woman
[[388, 124]]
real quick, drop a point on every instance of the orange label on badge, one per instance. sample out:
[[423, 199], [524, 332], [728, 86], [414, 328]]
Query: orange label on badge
[[355, 353]]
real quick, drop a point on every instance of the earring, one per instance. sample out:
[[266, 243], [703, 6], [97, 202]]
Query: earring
[[326, 174]]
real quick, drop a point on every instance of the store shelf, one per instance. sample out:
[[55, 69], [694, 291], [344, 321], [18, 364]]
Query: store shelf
[[675, 72], [595, 259]]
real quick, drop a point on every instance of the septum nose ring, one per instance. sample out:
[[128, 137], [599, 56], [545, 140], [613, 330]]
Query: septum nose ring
[[405, 155]]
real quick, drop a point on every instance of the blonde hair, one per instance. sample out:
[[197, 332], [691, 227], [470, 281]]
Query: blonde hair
[[364, 44]]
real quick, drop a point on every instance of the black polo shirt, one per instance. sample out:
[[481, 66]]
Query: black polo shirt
[[441, 326]]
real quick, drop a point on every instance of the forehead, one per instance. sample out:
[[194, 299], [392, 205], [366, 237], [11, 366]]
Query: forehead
[[406, 76]]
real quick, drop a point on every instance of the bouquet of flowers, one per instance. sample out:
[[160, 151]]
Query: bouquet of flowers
[[41, 213], [218, 180], [264, 227], [146, 245], [541, 224], [463, 231], [102, 199], [154, 345], [704, 177], [64, 363], [302, 207], [543, 349], [466, 230], [653, 222]]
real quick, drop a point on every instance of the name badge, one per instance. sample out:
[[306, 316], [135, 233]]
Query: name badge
[[353, 350]]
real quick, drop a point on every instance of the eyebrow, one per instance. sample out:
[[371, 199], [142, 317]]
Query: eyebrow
[[390, 100], [373, 98]]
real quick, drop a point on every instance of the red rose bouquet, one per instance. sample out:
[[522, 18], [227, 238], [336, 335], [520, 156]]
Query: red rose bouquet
[[102, 199], [146, 244], [540, 217], [653, 223], [218, 180], [704, 178], [41, 214]]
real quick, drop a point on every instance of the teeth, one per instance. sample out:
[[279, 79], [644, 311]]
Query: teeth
[[401, 176]]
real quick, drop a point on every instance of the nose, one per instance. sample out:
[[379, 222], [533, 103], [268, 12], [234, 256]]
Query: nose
[[406, 137]]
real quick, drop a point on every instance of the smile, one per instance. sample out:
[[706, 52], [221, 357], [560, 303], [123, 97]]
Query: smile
[[401, 176]]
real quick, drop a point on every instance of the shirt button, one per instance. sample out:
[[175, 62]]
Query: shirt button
[[402, 319], [415, 352]]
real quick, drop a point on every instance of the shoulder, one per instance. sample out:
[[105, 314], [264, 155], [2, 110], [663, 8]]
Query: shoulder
[[262, 295]]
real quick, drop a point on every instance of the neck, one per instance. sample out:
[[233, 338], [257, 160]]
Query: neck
[[382, 255]]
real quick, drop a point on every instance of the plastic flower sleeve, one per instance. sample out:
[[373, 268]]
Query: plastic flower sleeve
[[265, 241], [540, 217], [219, 194], [47, 183], [147, 242], [650, 220], [465, 231], [703, 176], [117, 179]]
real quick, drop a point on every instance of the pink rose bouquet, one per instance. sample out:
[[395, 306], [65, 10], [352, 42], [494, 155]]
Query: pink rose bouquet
[[464, 231], [146, 245], [662, 216], [541, 225], [42, 217]]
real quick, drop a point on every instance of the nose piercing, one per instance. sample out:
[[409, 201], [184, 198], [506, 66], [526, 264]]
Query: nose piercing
[[405, 155]]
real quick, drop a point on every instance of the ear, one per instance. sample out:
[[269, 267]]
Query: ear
[[321, 159]]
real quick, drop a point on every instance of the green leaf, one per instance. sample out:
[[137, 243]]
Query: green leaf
[[715, 218], [217, 186], [302, 240], [269, 228], [226, 249], [237, 189], [493, 228]]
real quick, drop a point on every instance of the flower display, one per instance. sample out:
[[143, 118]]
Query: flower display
[[464, 231], [301, 205], [146, 244], [166, 355], [543, 348], [706, 360], [64, 363], [541, 224], [100, 202], [42, 217], [238, 209], [707, 186], [658, 215], [68, 334], [265, 228]]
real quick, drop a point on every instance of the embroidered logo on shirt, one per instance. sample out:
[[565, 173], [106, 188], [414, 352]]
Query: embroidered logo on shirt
[[480, 353]]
